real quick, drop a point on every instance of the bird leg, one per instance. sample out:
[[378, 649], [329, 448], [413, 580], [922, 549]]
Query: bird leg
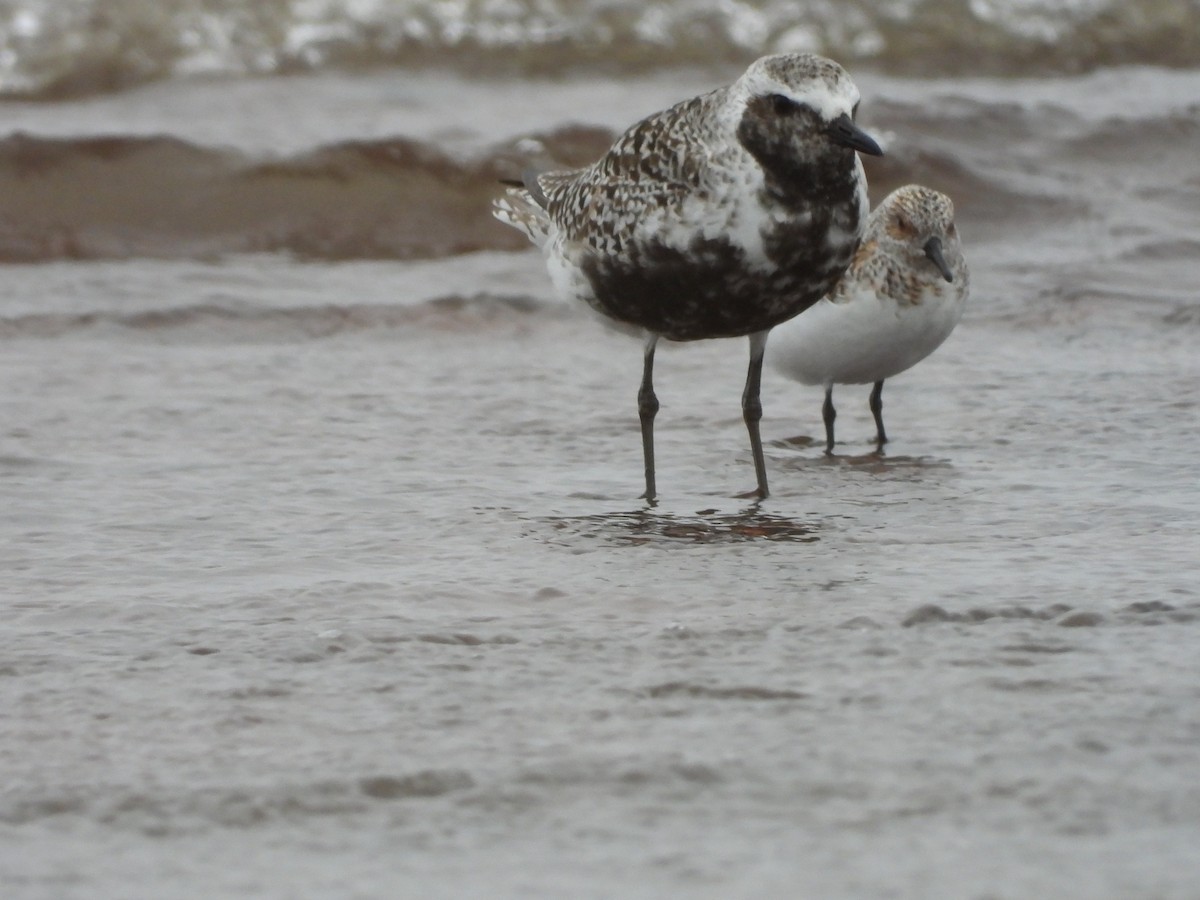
[[647, 408], [752, 408], [828, 413], [877, 412]]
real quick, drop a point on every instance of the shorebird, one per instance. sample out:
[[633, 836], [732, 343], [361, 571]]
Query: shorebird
[[901, 297], [720, 217]]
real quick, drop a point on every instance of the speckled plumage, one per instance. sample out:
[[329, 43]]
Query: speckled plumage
[[892, 308], [720, 217], [682, 230]]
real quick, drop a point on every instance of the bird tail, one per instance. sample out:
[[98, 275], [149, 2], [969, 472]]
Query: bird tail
[[523, 206], [518, 209]]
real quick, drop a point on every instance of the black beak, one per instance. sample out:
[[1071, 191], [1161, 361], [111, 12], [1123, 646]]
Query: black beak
[[843, 131], [933, 249]]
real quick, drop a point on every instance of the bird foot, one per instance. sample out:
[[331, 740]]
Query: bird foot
[[756, 494]]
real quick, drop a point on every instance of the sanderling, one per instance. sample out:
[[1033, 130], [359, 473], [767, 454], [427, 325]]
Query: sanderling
[[719, 217], [901, 297]]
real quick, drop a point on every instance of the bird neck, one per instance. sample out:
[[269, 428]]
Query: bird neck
[[798, 185]]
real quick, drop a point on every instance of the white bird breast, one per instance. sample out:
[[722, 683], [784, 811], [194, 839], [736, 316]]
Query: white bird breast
[[864, 339]]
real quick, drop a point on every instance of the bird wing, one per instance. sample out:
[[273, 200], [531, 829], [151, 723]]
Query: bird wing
[[647, 169]]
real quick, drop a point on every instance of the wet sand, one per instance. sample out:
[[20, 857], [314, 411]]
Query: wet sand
[[377, 612]]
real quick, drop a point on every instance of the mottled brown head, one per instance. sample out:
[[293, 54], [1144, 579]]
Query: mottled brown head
[[916, 224], [911, 246]]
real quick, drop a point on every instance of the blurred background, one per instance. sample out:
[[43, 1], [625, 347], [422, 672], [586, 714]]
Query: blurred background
[[157, 127], [58, 50]]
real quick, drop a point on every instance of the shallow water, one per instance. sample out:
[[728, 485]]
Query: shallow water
[[377, 611], [329, 578]]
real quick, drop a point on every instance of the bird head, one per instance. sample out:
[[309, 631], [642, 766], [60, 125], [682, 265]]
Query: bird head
[[798, 110], [917, 223]]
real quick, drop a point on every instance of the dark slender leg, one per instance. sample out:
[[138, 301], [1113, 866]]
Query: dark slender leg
[[752, 408], [647, 408], [828, 413], [877, 412]]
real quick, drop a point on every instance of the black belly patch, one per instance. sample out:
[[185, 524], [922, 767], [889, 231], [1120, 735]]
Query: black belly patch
[[708, 291]]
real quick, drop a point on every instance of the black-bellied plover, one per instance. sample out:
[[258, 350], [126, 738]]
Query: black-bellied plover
[[719, 217], [901, 297]]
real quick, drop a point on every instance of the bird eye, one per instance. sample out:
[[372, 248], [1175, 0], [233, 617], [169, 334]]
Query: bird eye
[[854, 112], [782, 105], [952, 230], [904, 225]]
